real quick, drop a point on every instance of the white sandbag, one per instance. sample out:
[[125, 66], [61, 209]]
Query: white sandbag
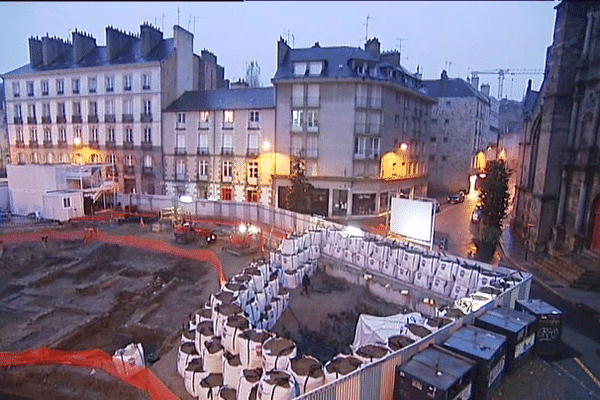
[[440, 286], [405, 274], [315, 237], [290, 280], [234, 326], [398, 342], [263, 268], [250, 344], [209, 387], [185, 354], [212, 355], [359, 260], [338, 252], [315, 253], [232, 369], [288, 246], [273, 257], [257, 278], [380, 251], [328, 249], [341, 366], [388, 268], [463, 275], [485, 278], [348, 256], [422, 280], [262, 298], [303, 256], [308, 373], [371, 352], [429, 263], [416, 331], [239, 291], [277, 352], [222, 312], [193, 375], [278, 305], [187, 335], [247, 281], [459, 291], [307, 239], [129, 359], [373, 264], [353, 244], [205, 314], [411, 259], [252, 311], [395, 254], [248, 384], [204, 331], [272, 287], [444, 270], [365, 247], [276, 385]]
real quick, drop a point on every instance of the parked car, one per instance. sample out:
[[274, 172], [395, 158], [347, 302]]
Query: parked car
[[456, 198], [477, 214]]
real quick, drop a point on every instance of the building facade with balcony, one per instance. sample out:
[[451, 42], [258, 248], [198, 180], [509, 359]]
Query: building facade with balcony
[[357, 119], [78, 102], [4, 148], [558, 195], [218, 145], [459, 134]]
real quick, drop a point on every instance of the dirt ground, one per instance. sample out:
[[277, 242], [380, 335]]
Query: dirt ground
[[69, 295]]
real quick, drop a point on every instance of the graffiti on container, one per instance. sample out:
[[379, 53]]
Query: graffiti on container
[[547, 333]]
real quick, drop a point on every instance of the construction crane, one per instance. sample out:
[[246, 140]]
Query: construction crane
[[503, 72]]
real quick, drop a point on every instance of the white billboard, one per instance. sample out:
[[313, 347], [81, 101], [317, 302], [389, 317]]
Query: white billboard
[[413, 219]]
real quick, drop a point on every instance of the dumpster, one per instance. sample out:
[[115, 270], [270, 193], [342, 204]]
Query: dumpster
[[487, 349], [548, 326], [435, 373], [519, 329]]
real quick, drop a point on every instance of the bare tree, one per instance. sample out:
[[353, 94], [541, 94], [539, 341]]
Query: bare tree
[[253, 74]]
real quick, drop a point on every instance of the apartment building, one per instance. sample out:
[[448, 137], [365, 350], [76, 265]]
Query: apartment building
[[4, 149], [359, 121], [218, 145], [460, 133], [78, 102]]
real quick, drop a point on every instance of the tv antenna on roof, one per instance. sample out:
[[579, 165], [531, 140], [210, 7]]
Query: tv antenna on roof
[[289, 33], [193, 19], [366, 24]]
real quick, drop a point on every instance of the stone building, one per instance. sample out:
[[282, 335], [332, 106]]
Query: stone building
[[359, 121], [558, 196], [459, 133], [218, 145], [78, 102]]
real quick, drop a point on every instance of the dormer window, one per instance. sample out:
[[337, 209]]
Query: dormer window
[[315, 68], [299, 68]]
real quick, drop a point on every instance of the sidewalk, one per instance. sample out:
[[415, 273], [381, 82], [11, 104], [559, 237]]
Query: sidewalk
[[514, 255]]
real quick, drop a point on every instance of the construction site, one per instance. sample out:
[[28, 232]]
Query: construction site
[[103, 284]]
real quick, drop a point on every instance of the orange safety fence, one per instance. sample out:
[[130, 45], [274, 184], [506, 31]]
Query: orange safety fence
[[141, 378]]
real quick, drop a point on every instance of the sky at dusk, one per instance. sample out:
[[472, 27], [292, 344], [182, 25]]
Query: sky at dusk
[[459, 36]]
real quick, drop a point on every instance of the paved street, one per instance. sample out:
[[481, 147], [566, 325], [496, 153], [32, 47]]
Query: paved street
[[581, 328]]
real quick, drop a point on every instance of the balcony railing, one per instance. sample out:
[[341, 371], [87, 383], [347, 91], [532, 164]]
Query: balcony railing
[[94, 144], [61, 119], [146, 87], [180, 150], [180, 126], [252, 152], [227, 178], [227, 125], [110, 118], [180, 177], [312, 153], [147, 171], [145, 117], [19, 143], [93, 119], [127, 118], [203, 125], [31, 120], [146, 145], [367, 129], [127, 144], [62, 144], [129, 170], [34, 144], [48, 144], [202, 178], [110, 144], [77, 119], [202, 151], [368, 102], [227, 151], [253, 125], [18, 120]]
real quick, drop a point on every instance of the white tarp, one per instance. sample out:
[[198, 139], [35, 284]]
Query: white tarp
[[376, 330]]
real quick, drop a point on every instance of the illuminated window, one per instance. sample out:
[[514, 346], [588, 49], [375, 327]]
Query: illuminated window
[[299, 68], [226, 194], [315, 68], [227, 119], [253, 169], [297, 119], [203, 169], [312, 120], [227, 169]]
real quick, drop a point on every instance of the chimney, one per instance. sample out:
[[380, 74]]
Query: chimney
[[52, 48], [117, 42], [475, 82], [419, 73], [485, 89], [444, 75], [391, 57], [150, 37], [282, 50], [373, 47], [83, 44], [35, 51]]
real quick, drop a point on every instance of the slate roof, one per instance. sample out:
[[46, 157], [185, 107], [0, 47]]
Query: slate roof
[[224, 99], [452, 87], [338, 64], [98, 58]]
